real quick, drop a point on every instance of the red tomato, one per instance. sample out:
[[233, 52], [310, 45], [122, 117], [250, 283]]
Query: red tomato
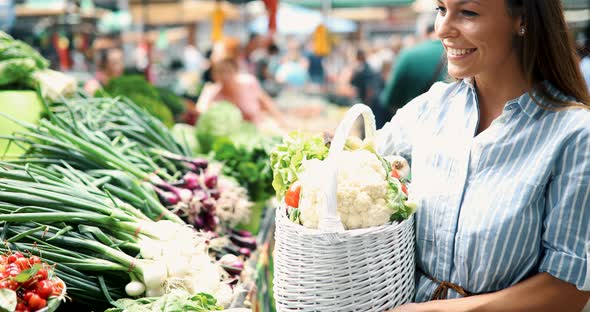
[[13, 272], [11, 259], [9, 284], [34, 260], [42, 274], [395, 174], [28, 295], [36, 302], [292, 195], [405, 189], [44, 289], [23, 263], [19, 254], [21, 306]]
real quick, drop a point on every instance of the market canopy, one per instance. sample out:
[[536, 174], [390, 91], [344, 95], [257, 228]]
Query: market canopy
[[351, 3], [296, 20]]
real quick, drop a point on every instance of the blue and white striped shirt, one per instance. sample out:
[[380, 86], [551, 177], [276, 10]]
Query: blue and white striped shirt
[[500, 206]]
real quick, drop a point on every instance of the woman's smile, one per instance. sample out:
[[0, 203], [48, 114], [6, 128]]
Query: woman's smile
[[459, 53]]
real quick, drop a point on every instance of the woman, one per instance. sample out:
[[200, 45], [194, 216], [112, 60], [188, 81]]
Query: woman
[[241, 89], [501, 163], [111, 65]]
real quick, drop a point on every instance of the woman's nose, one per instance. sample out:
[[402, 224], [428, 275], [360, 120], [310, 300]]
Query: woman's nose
[[445, 26]]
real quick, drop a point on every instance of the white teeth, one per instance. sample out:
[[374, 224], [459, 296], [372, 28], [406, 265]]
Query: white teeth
[[459, 52]]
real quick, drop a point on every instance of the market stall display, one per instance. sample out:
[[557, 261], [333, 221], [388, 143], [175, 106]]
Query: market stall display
[[105, 178], [225, 136]]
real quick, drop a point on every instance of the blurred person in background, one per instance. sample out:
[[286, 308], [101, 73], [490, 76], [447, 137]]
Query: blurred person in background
[[266, 69], [315, 69], [395, 44], [293, 71], [364, 79], [241, 89], [366, 83], [409, 41], [110, 65], [380, 55], [414, 71]]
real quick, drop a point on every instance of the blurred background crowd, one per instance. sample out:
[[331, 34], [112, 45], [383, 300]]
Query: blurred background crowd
[[290, 60]]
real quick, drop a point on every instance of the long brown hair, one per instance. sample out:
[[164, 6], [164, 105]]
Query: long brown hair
[[547, 51]]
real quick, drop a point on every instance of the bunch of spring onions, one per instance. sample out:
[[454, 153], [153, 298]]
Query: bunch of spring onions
[[114, 134], [99, 242]]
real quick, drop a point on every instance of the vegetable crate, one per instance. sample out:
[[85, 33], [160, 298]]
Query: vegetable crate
[[335, 270]]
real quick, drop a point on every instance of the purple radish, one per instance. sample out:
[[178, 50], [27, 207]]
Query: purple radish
[[200, 195], [215, 194], [242, 233], [191, 181], [200, 163], [211, 181], [208, 204], [245, 251], [167, 198]]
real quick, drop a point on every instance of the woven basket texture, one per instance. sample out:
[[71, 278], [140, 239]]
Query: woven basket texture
[[357, 270], [334, 270]]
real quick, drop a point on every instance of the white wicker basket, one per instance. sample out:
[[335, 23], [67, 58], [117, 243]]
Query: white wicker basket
[[334, 270]]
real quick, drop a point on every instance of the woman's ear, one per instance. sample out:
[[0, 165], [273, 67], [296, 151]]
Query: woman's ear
[[519, 26]]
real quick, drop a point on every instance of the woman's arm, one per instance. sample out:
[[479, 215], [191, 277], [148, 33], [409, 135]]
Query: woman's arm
[[205, 100], [540, 293]]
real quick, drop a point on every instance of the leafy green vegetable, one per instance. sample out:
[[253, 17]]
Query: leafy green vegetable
[[7, 300], [142, 93], [221, 120], [171, 100], [16, 70], [286, 158], [16, 49], [396, 199], [27, 274], [248, 162], [175, 301], [23, 67]]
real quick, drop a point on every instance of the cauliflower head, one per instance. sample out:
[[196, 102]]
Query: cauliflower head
[[362, 190]]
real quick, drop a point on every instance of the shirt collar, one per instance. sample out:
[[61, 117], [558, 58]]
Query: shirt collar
[[527, 101]]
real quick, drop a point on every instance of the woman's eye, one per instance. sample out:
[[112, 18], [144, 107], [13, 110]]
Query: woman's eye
[[441, 10], [469, 13]]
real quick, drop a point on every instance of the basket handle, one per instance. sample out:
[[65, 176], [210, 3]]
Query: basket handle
[[329, 221]]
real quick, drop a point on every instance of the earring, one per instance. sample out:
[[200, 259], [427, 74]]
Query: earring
[[522, 31]]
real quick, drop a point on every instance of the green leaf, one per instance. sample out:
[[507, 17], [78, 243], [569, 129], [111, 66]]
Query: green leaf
[[7, 300], [27, 274]]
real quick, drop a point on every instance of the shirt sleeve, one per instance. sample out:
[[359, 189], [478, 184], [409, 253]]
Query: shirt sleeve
[[566, 228]]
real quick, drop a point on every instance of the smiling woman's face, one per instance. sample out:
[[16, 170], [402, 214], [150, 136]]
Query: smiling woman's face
[[478, 36]]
